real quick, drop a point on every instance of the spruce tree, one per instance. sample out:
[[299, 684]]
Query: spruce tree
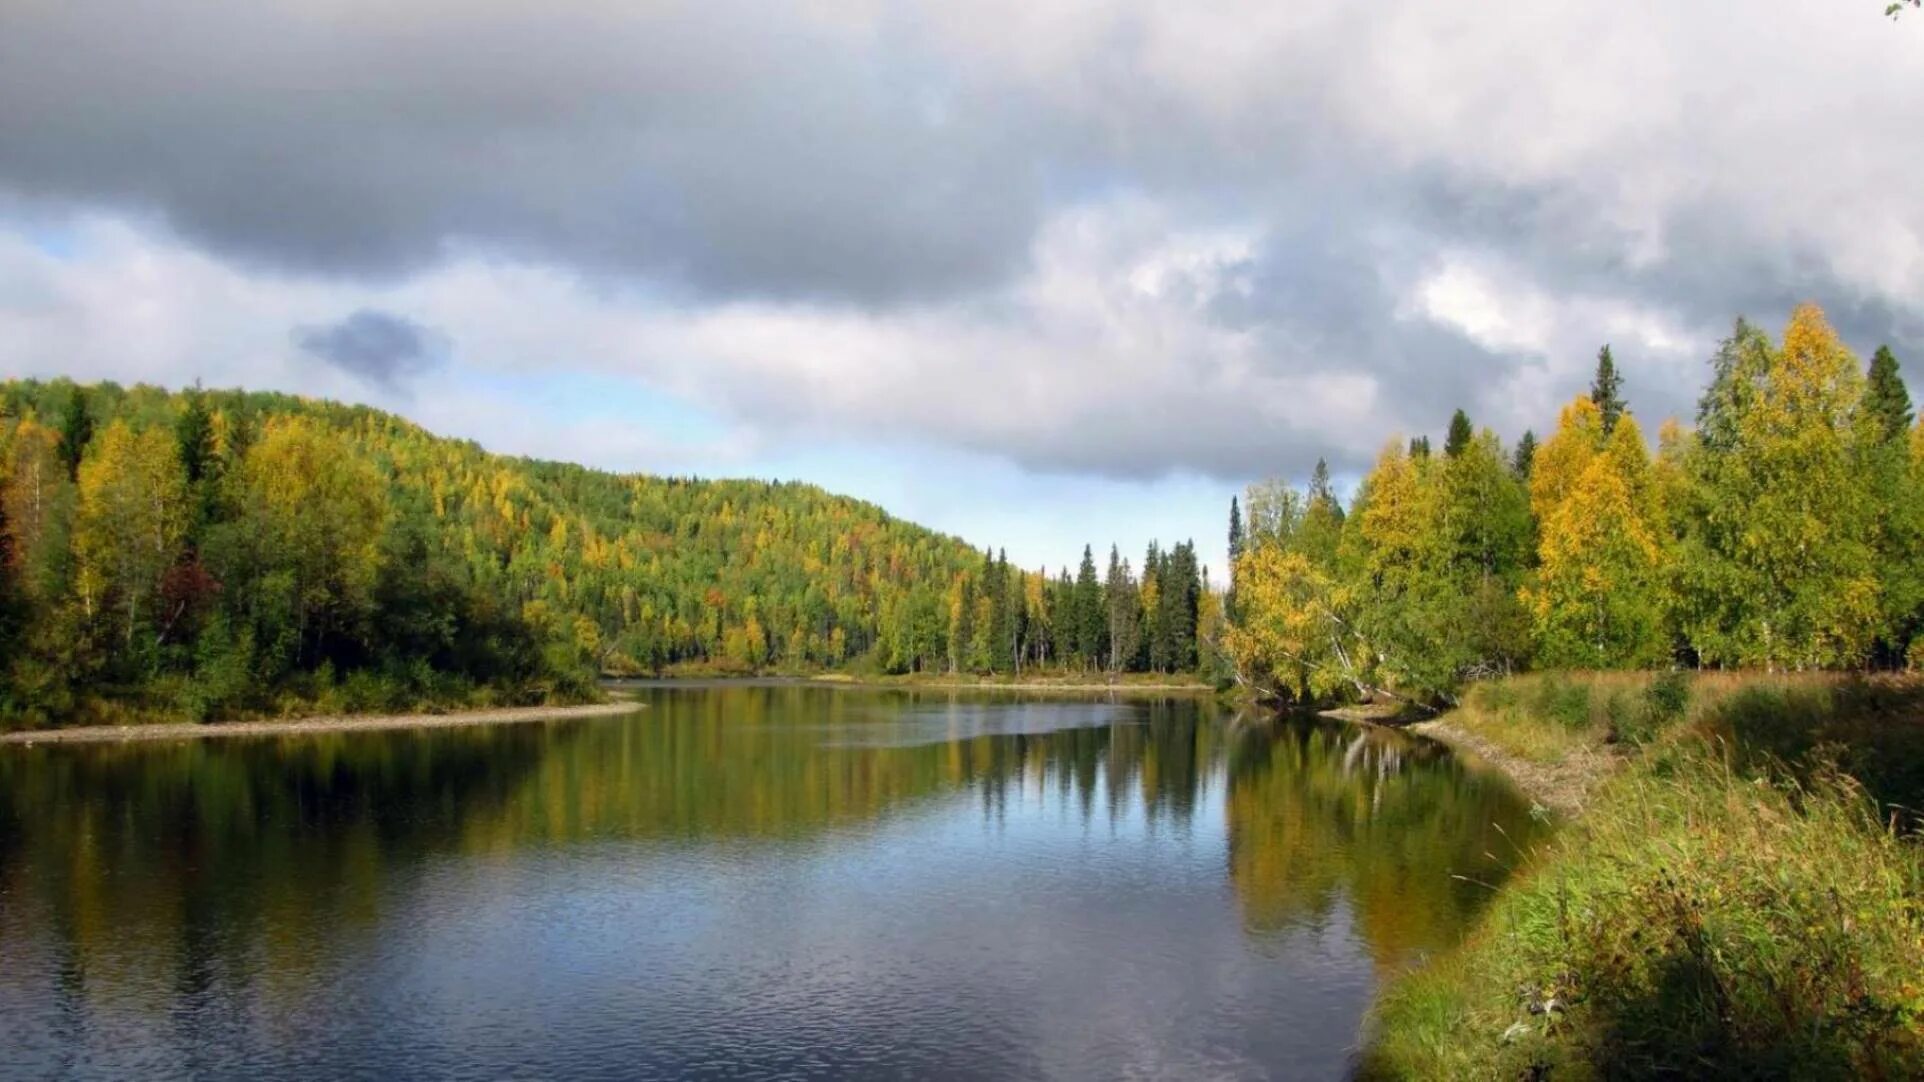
[[1606, 390], [1235, 550], [1420, 447], [1460, 434], [1886, 401], [1090, 619], [76, 431], [1524, 459]]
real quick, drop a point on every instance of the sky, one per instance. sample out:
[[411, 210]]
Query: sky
[[1037, 273]]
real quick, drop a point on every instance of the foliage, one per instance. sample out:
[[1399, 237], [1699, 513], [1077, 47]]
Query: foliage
[[1785, 531], [218, 552]]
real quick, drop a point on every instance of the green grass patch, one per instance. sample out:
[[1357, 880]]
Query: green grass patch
[[1745, 899]]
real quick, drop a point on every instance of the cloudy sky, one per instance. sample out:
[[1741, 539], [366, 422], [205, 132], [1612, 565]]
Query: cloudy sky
[[1029, 271]]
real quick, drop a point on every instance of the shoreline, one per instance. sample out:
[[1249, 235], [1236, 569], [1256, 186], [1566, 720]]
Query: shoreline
[[867, 684], [332, 723], [1563, 786]]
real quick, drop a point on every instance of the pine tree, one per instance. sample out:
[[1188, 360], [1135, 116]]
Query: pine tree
[[76, 431], [1235, 552], [1460, 434], [1090, 619], [1886, 400], [1523, 460], [1606, 390], [1124, 612], [1419, 447]]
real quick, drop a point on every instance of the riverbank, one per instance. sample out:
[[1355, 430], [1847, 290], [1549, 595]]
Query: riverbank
[[1134, 682], [98, 734], [1738, 890]]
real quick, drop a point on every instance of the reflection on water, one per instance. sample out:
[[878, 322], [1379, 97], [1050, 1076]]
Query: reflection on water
[[742, 882]]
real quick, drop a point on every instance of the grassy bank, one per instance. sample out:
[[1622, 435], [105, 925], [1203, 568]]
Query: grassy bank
[[1740, 894]]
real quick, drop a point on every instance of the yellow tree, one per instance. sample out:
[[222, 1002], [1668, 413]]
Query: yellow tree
[[315, 510], [1562, 459], [1596, 600], [132, 513], [1294, 625]]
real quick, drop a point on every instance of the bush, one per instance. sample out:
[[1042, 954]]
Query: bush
[[1561, 699]]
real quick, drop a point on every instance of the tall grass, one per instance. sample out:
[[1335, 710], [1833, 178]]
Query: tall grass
[[1740, 901]]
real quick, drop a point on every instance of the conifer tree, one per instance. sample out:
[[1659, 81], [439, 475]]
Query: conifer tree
[[1090, 619], [1886, 400], [1523, 459], [1606, 390], [1235, 551], [1460, 434], [76, 431], [1124, 612]]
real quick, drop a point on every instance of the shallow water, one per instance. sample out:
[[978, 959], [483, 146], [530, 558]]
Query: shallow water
[[739, 882]]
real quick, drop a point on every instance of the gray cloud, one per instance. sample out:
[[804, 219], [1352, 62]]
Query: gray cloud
[[379, 347], [937, 221]]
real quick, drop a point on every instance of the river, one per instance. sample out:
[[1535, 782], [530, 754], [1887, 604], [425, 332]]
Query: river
[[738, 882]]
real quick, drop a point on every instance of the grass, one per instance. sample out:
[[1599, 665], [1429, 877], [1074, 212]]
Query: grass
[[1743, 898]]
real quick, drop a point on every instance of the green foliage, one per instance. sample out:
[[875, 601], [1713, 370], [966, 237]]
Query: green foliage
[[1606, 390], [225, 552], [1785, 532]]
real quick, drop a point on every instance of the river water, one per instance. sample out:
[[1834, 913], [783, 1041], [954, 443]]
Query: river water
[[738, 882]]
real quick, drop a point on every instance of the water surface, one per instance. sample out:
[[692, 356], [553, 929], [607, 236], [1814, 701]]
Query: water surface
[[742, 882]]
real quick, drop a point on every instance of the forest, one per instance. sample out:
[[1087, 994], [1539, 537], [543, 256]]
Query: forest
[[207, 554], [1783, 531]]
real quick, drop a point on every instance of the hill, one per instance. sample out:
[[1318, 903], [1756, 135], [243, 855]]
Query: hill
[[221, 552]]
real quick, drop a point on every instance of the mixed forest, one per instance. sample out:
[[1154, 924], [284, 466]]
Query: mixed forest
[[1783, 530], [212, 553]]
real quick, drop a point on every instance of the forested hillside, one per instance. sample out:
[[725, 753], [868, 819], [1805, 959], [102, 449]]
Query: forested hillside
[[213, 553], [1785, 531]]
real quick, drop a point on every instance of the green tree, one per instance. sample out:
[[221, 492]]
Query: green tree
[[1606, 390], [1460, 434], [1089, 616], [76, 431], [131, 517], [1523, 459], [1781, 566]]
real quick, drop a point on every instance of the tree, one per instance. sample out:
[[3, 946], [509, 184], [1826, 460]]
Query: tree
[[1606, 390], [131, 517], [1124, 612], [1407, 598], [76, 431], [1887, 418], [1089, 617], [1596, 597], [314, 511], [1886, 400], [38, 499], [1460, 434], [1780, 562], [1523, 459], [1235, 549], [1487, 525]]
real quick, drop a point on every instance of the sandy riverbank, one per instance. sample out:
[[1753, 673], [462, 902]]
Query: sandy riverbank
[[327, 724]]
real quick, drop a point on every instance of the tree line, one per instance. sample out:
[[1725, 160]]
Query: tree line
[[208, 553], [998, 619], [1783, 530]]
